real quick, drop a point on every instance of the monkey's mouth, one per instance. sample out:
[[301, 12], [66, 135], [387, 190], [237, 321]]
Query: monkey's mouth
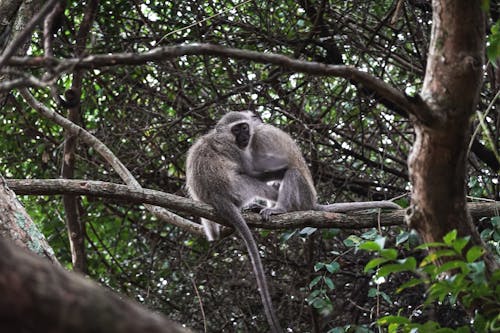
[[242, 143]]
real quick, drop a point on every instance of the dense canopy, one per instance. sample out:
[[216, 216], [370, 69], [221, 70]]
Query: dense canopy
[[148, 113]]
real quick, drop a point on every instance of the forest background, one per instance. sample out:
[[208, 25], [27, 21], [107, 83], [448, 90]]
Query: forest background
[[357, 84]]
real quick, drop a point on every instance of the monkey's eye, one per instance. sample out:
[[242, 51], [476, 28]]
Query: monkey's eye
[[244, 127]]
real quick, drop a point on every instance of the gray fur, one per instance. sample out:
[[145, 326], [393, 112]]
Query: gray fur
[[297, 191], [216, 175]]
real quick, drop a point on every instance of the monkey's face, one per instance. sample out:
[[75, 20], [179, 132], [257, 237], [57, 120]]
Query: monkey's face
[[241, 134]]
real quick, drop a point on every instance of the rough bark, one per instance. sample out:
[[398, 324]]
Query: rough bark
[[317, 219], [437, 163], [40, 297], [16, 225]]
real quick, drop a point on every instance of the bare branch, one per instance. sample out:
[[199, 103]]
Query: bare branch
[[317, 219], [108, 155], [168, 52]]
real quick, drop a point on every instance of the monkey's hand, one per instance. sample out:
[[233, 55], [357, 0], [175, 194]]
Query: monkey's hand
[[267, 212]]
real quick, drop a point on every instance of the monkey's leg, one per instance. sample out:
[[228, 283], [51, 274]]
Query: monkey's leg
[[295, 193], [212, 230], [250, 187]]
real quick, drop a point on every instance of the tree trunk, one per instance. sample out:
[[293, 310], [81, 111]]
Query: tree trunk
[[16, 225], [40, 297], [437, 163]]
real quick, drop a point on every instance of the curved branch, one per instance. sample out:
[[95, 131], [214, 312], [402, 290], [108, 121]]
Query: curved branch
[[168, 52], [108, 155], [316, 219]]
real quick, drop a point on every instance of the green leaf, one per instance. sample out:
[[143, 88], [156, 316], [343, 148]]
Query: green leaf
[[432, 257], [318, 303], [287, 235], [314, 282], [333, 267], [391, 254], [393, 320], [430, 245], [408, 264], [460, 243], [452, 265], [493, 48], [402, 237], [329, 283], [352, 241], [450, 237], [374, 263], [375, 245], [372, 292], [386, 297], [477, 272], [307, 231], [474, 253], [318, 266], [371, 234], [412, 283]]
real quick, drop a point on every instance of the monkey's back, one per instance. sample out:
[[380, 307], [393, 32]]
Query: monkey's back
[[272, 139], [210, 170]]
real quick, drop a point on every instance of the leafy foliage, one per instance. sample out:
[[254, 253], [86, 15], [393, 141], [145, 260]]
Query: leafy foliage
[[460, 280], [149, 115]]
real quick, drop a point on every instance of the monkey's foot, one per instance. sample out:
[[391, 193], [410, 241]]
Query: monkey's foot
[[267, 212]]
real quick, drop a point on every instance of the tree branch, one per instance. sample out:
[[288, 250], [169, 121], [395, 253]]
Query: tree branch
[[23, 35], [40, 297], [107, 154], [291, 220], [168, 52], [17, 225]]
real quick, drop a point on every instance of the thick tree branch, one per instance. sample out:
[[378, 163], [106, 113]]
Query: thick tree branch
[[292, 220], [75, 225], [168, 52], [40, 297], [108, 155]]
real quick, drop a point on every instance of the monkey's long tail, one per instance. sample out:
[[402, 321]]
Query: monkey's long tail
[[360, 205], [233, 215]]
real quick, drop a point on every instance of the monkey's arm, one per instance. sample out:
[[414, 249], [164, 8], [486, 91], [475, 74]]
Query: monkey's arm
[[266, 167]]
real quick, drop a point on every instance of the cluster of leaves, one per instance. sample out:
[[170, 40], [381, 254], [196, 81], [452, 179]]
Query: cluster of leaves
[[451, 280], [460, 278]]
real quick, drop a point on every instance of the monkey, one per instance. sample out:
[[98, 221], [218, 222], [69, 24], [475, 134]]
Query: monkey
[[220, 172], [71, 98], [296, 191]]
